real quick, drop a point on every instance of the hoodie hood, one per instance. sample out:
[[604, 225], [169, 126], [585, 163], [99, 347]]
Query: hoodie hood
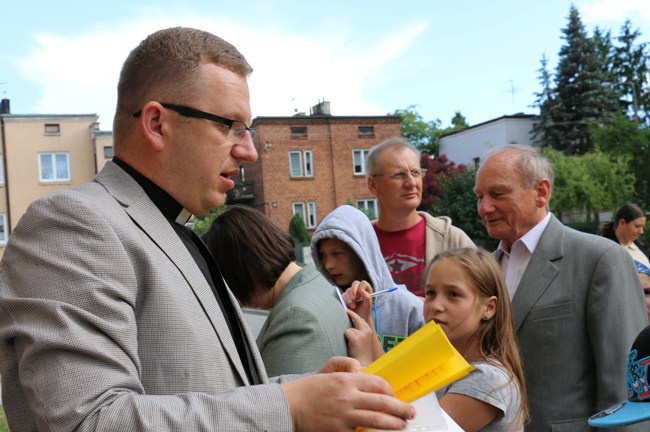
[[352, 226]]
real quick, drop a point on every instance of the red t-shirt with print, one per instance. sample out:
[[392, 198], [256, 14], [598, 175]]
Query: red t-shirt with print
[[404, 252]]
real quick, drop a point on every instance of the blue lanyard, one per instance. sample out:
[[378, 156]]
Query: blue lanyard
[[374, 317]]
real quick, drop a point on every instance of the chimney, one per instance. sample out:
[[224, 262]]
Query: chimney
[[322, 108], [4, 106]]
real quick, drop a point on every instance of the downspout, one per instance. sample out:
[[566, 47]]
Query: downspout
[[4, 166], [331, 139]]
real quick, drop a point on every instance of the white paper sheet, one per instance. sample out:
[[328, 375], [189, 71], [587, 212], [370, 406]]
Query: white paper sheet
[[430, 417]]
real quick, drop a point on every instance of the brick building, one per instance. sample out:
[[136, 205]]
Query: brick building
[[310, 164], [307, 164]]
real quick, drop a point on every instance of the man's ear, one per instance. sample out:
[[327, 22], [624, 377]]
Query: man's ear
[[543, 189], [372, 185], [154, 121], [489, 308]]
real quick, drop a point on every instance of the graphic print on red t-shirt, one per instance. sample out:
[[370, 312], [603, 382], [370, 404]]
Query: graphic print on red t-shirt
[[404, 252]]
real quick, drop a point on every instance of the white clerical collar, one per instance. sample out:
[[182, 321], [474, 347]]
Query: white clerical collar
[[183, 217]]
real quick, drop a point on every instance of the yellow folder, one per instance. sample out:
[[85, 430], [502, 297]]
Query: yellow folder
[[423, 362]]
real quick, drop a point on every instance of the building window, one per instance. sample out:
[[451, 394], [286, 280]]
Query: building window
[[299, 208], [366, 131], [2, 170], [298, 131], [307, 212], [3, 228], [359, 161], [311, 215], [309, 164], [301, 163], [54, 167], [108, 152], [52, 129], [369, 207]]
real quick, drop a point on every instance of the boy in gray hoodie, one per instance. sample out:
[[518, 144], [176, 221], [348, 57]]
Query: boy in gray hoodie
[[345, 248]]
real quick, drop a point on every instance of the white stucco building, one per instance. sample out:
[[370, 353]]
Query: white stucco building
[[468, 145]]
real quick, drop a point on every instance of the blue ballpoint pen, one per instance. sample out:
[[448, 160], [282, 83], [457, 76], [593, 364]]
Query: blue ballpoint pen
[[375, 294]]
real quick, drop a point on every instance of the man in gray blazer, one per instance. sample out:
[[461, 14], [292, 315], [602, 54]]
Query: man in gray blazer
[[576, 299], [113, 315]]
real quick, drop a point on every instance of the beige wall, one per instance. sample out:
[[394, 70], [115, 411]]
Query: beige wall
[[103, 148], [26, 138]]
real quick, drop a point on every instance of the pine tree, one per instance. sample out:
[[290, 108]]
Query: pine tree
[[458, 122], [542, 132], [630, 64], [583, 95], [298, 230]]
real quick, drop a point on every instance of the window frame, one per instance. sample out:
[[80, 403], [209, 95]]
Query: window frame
[[52, 129], [293, 165], [364, 155], [308, 212], [3, 229], [366, 131], [298, 131], [302, 213], [363, 204], [53, 159], [305, 161], [309, 164], [311, 215]]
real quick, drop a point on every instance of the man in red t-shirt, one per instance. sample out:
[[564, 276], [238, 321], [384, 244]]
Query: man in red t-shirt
[[408, 239]]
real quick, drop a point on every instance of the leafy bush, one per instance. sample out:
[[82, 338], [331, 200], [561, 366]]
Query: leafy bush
[[202, 224], [459, 203], [4, 427]]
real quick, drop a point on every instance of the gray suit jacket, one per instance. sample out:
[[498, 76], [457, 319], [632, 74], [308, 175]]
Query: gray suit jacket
[[578, 308], [107, 323], [305, 327]]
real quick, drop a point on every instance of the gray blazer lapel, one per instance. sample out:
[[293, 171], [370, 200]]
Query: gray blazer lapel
[[540, 272], [152, 222]]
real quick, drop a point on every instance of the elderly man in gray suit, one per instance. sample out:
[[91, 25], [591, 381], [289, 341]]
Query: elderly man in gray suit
[[115, 317], [576, 298]]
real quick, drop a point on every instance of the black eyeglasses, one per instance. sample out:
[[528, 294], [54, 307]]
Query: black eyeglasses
[[401, 175], [236, 129]]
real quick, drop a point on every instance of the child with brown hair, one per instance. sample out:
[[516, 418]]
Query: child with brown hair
[[346, 251], [466, 295]]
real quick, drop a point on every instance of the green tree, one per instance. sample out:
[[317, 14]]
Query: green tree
[[458, 201], [582, 93], [604, 51], [608, 181], [202, 224], [298, 230], [567, 194], [425, 135], [542, 132], [591, 183], [630, 66], [458, 122], [422, 134], [625, 137]]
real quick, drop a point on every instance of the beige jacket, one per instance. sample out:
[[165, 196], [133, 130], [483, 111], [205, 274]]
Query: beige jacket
[[442, 235]]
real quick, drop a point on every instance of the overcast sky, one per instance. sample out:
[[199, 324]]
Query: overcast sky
[[364, 57]]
